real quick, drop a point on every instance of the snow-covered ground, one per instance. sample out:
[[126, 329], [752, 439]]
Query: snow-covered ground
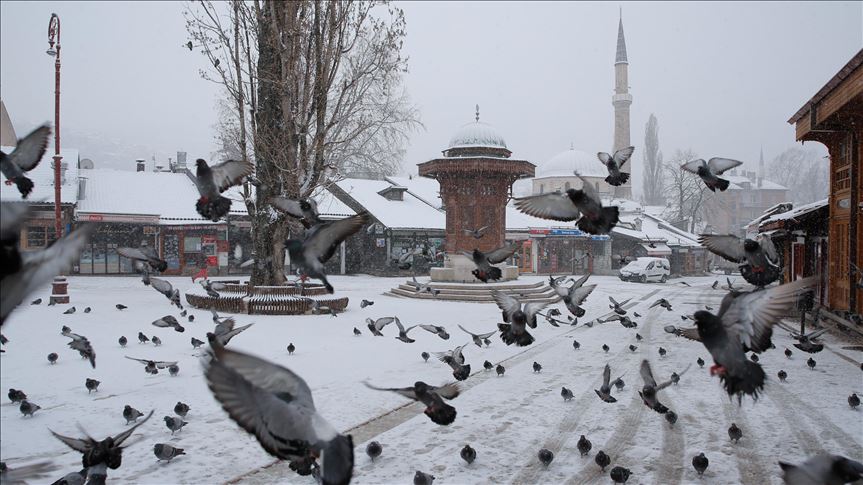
[[506, 419]]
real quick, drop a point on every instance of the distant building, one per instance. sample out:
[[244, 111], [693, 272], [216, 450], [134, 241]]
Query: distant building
[[747, 198]]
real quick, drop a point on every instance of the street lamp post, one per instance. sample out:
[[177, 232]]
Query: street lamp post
[[54, 51]]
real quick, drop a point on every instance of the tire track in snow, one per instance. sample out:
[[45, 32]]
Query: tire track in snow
[[622, 437], [793, 408], [748, 453], [585, 403], [806, 440], [673, 449], [388, 420]]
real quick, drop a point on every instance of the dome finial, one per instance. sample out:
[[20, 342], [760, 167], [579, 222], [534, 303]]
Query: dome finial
[[477, 113]]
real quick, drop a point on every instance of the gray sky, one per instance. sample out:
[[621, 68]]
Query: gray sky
[[722, 78]]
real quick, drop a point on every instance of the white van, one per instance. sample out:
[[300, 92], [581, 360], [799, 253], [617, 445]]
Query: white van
[[646, 269]]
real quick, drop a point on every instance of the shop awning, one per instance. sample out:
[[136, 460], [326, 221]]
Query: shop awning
[[658, 249]]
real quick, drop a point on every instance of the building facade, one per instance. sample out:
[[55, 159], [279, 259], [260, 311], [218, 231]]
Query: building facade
[[834, 117]]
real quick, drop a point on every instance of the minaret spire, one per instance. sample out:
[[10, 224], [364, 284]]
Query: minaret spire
[[477, 113], [761, 167], [621, 42], [621, 100]]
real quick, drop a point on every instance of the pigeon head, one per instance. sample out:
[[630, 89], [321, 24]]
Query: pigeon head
[[749, 245], [201, 164], [420, 387], [706, 322]]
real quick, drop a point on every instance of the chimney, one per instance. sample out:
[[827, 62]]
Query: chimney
[[761, 168], [63, 167], [181, 161], [140, 165], [82, 188]]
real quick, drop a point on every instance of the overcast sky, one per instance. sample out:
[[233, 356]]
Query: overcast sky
[[722, 78]]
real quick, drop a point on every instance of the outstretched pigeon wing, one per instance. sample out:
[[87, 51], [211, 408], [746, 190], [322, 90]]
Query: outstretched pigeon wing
[[555, 206], [230, 173], [718, 165], [30, 149]]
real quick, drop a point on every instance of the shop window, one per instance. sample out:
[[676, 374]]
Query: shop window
[[39, 236], [541, 188], [191, 244]]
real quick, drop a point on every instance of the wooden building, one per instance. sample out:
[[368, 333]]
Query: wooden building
[[834, 117]]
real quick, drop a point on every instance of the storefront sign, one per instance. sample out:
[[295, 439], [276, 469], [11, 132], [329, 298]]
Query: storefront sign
[[208, 238], [118, 218], [567, 232]]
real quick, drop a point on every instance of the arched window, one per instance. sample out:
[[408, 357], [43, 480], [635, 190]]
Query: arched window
[[566, 186], [541, 188]]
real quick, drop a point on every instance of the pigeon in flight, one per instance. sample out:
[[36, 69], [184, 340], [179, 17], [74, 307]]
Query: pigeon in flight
[[83, 346], [375, 326], [107, 452], [212, 181], [822, 469], [604, 391], [671, 417], [153, 366], [484, 270], [517, 318], [403, 332], [144, 255], [648, 392], [744, 322], [26, 156], [437, 330], [759, 260], [583, 205], [709, 171], [476, 233], [661, 302], [164, 451], [22, 273], [614, 163], [575, 295], [225, 331], [618, 307], [807, 342], [455, 359], [21, 474], [477, 337], [276, 406], [306, 210], [320, 243], [423, 287], [433, 398], [165, 288], [168, 321], [212, 288]]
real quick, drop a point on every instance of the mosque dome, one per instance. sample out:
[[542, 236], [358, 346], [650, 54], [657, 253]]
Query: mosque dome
[[566, 162], [477, 134]]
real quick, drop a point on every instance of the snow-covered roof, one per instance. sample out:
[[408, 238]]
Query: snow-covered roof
[[797, 212], [169, 196], [331, 207], [566, 162], [477, 134], [425, 188], [739, 181], [43, 179], [654, 229], [410, 213], [770, 211]]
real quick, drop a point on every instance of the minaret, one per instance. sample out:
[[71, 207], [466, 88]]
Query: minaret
[[621, 101], [761, 168]]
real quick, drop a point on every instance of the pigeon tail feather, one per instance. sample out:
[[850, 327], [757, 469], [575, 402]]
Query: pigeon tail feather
[[213, 210], [722, 184], [25, 185], [603, 225], [617, 180], [522, 340], [442, 414], [751, 381]]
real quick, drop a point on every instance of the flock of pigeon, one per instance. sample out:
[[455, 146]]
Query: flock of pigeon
[[275, 405]]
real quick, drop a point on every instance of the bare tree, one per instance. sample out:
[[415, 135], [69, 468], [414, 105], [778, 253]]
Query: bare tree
[[685, 191], [317, 91], [804, 171], [653, 166]]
